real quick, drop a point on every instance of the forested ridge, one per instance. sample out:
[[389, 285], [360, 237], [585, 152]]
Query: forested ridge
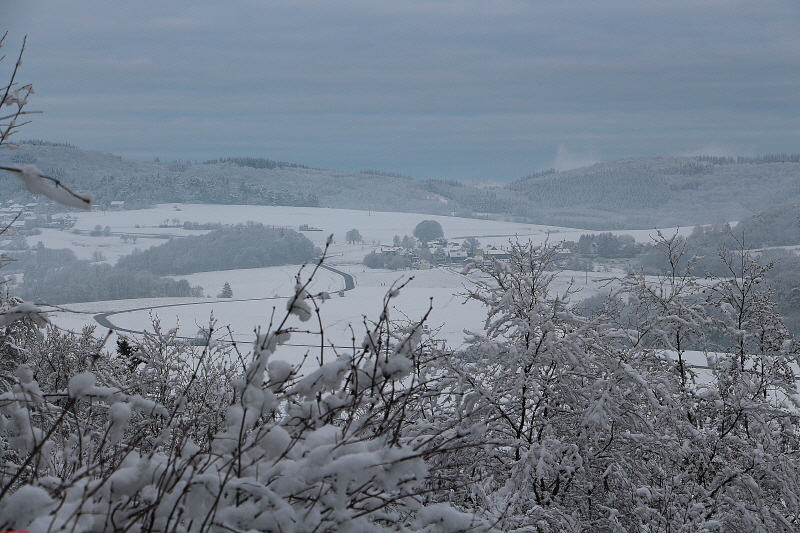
[[247, 246], [57, 276], [632, 193]]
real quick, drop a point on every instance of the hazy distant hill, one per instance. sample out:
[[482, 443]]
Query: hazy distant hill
[[631, 193], [233, 181], [665, 191]]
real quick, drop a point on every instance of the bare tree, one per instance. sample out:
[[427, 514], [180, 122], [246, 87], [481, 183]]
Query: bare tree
[[16, 96]]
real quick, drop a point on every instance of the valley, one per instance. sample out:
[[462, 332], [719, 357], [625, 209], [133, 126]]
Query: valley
[[257, 292]]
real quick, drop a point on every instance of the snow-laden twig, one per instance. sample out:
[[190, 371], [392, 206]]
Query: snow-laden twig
[[25, 309], [38, 183]]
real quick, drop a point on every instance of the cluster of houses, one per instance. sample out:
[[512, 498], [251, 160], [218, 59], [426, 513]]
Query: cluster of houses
[[17, 219], [443, 253], [116, 205]]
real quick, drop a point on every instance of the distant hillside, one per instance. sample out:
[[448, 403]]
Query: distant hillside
[[631, 193], [222, 181], [662, 191]]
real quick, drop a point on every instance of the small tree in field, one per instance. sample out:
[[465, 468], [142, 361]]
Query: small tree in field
[[353, 236], [227, 292], [428, 230]]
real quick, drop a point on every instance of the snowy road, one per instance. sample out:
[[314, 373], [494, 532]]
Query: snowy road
[[103, 318]]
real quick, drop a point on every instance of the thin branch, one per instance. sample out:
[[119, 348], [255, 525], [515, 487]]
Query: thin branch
[[55, 181]]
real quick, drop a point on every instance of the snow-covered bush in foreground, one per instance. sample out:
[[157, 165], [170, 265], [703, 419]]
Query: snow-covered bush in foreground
[[343, 447], [550, 422], [598, 424]]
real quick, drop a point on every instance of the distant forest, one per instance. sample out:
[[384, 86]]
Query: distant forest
[[765, 235], [57, 276], [627, 194], [250, 246], [254, 162]]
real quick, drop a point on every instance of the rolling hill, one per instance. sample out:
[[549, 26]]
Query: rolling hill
[[625, 194]]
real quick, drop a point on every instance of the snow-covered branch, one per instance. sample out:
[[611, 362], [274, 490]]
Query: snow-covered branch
[[37, 183]]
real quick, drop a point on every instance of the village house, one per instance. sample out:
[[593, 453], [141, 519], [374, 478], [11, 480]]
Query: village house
[[457, 254], [494, 253], [423, 264]]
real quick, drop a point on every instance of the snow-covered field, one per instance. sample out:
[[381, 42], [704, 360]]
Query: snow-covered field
[[375, 227], [257, 292]]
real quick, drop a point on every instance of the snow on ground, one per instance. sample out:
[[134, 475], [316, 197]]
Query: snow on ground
[[262, 282], [255, 292], [84, 246], [260, 292], [374, 227]]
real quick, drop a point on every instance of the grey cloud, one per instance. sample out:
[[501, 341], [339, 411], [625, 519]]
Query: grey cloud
[[436, 89]]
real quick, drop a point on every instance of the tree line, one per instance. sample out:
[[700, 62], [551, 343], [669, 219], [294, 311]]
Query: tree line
[[57, 276], [242, 246]]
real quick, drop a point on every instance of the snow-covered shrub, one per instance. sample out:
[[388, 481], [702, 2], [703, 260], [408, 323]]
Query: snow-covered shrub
[[598, 424], [666, 312], [345, 446], [563, 407]]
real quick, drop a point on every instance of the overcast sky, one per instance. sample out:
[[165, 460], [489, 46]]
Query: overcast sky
[[484, 90]]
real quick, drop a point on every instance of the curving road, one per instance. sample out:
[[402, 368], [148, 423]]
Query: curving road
[[349, 281], [103, 318]]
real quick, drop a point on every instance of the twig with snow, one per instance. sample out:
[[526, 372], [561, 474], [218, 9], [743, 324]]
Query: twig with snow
[[37, 183]]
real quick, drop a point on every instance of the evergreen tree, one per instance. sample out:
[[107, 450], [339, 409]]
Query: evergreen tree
[[227, 292], [471, 244], [408, 242]]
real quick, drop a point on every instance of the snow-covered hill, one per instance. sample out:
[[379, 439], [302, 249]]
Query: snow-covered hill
[[626, 194]]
